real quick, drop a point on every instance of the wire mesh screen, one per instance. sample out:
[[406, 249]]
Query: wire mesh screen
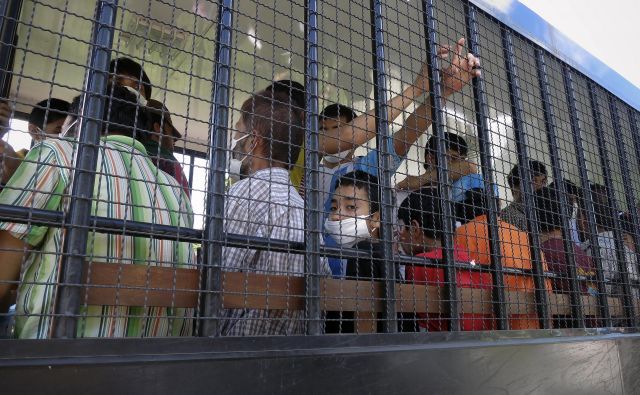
[[261, 168]]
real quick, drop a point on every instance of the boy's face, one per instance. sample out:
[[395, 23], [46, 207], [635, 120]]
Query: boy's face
[[451, 155], [411, 238], [329, 124], [349, 201]]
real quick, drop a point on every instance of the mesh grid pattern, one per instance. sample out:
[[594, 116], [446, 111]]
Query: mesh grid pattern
[[198, 168]]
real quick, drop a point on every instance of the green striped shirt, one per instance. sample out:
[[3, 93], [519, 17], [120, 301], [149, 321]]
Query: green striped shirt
[[127, 186]]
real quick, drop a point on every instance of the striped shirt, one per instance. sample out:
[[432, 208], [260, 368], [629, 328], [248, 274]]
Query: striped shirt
[[265, 205], [127, 186]]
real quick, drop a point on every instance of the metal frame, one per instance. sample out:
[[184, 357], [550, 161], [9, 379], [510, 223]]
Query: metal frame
[[313, 213], [444, 182], [576, 131], [384, 144], [517, 113], [77, 219], [76, 222], [9, 14], [613, 205], [484, 142], [565, 213], [213, 233], [625, 170]]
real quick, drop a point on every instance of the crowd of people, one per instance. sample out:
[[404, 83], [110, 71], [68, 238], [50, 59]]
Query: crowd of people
[[138, 178]]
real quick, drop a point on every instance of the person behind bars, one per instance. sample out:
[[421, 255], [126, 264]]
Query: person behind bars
[[264, 203], [127, 187]]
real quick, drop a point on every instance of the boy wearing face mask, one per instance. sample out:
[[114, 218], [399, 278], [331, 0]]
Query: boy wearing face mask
[[354, 222]]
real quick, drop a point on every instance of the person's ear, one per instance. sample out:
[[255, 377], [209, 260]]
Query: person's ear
[[374, 221], [33, 132], [416, 232]]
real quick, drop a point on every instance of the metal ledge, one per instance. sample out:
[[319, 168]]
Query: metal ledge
[[544, 361]]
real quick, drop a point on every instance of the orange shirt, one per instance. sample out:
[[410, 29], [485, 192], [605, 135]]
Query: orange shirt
[[473, 237]]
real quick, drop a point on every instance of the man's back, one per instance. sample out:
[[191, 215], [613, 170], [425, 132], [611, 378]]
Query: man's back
[[127, 186]]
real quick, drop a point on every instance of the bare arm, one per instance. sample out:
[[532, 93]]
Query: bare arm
[[457, 170], [363, 128], [454, 78], [13, 251]]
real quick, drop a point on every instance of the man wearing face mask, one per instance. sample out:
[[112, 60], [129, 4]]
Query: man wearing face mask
[[265, 204]]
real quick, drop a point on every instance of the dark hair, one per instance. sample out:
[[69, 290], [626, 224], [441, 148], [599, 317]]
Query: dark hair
[[472, 206], [452, 142], [337, 111], [293, 90], [129, 67], [626, 220], [547, 204], [363, 180], [601, 206], [52, 109], [536, 168], [121, 108], [268, 113], [423, 206]]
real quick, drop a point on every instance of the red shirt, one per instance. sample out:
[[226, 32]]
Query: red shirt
[[464, 278]]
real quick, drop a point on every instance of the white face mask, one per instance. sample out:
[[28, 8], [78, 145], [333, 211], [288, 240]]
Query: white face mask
[[235, 164], [335, 158], [348, 231], [141, 100]]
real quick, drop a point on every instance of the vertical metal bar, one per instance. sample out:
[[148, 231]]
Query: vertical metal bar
[[77, 220], [526, 185], [444, 182], [214, 236], [9, 12], [608, 183], [550, 126], [627, 184], [484, 142], [576, 131], [192, 159], [384, 144], [313, 213], [635, 136]]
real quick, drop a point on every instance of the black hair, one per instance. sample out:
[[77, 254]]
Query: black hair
[[121, 108], [626, 220], [601, 206], [536, 168], [423, 206], [129, 67], [294, 90], [472, 206], [368, 182], [280, 124], [52, 109], [547, 204], [452, 142], [337, 111]]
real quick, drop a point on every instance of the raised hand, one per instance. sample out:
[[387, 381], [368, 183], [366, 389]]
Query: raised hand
[[461, 70]]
